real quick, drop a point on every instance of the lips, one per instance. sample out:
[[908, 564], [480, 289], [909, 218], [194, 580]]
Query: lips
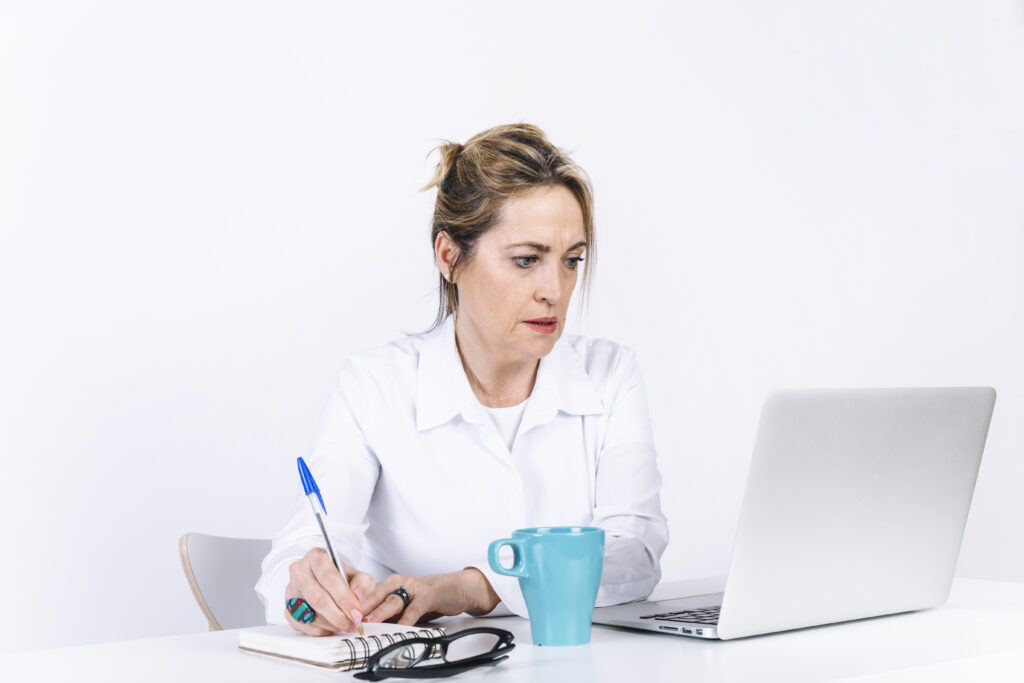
[[543, 325]]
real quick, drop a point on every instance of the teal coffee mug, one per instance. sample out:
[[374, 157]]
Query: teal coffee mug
[[559, 570]]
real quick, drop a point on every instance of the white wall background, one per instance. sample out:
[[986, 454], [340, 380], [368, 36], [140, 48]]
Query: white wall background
[[206, 206]]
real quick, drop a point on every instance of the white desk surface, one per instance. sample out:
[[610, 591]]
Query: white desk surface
[[977, 635]]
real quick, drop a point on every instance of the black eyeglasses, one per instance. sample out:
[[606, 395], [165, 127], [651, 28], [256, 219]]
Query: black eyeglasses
[[453, 653]]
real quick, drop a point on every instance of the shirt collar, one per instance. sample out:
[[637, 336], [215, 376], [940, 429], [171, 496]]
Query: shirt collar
[[443, 390]]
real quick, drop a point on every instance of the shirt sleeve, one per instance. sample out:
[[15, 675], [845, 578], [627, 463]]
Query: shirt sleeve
[[346, 471], [627, 492]]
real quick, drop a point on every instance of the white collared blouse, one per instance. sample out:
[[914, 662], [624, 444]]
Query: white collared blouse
[[417, 480]]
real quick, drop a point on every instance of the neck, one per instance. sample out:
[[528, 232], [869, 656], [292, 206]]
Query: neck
[[497, 381]]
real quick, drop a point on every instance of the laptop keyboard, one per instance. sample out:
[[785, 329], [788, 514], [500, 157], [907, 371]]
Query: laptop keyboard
[[706, 615]]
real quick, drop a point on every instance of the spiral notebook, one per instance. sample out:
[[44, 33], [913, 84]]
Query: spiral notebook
[[340, 652]]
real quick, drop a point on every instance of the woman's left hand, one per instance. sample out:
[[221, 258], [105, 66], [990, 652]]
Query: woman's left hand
[[430, 597]]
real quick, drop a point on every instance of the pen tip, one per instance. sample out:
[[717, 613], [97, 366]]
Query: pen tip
[[359, 627]]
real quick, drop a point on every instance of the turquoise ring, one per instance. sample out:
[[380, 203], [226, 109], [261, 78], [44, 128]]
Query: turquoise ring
[[300, 610]]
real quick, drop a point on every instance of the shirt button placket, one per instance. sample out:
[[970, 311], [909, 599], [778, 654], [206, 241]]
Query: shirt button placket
[[517, 501]]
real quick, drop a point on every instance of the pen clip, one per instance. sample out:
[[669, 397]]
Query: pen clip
[[309, 483]]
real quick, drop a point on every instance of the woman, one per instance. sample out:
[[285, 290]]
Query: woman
[[434, 445]]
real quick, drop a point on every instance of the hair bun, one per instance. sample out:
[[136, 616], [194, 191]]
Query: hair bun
[[449, 153]]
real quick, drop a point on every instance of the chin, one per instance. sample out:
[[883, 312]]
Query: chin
[[542, 347]]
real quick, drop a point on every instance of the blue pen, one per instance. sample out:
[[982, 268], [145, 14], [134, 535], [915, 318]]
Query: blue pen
[[320, 510]]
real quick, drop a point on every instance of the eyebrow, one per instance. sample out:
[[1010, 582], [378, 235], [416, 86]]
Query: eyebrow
[[543, 248]]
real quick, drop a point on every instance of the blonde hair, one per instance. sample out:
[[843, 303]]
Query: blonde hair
[[475, 180]]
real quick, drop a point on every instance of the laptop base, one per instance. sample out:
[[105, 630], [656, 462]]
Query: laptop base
[[644, 615]]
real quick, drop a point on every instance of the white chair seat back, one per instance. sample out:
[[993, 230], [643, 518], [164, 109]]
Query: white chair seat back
[[222, 573]]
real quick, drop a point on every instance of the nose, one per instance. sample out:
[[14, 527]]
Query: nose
[[549, 284]]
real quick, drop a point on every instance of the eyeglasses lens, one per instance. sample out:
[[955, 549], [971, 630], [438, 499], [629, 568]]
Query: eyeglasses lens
[[472, 645], [419, 654], [405, 657]]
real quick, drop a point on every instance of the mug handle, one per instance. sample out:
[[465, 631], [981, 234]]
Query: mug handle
[[518, 567]]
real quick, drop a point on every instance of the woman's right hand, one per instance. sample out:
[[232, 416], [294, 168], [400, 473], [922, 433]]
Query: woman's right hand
[[316, 580]]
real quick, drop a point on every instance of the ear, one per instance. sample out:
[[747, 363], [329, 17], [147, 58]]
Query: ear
[[445, 253]]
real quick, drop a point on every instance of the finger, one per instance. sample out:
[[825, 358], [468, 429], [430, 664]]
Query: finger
[[333, 581], [391, 606], [320, 625], [308, 629], [414, 612], [423, 600], [359, 582], [381, 591], [306, 586], [362, 585], [345, 603]]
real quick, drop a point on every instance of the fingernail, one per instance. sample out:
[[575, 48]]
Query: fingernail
[[369, 617], [356, 615], [360, 593]]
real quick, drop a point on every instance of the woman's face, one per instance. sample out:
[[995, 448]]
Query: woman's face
[[524, 269]]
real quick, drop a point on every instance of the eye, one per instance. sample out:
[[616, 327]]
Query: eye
[[527, 261]]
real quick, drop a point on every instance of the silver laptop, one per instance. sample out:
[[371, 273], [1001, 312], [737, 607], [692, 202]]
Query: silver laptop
[[855, 507]]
